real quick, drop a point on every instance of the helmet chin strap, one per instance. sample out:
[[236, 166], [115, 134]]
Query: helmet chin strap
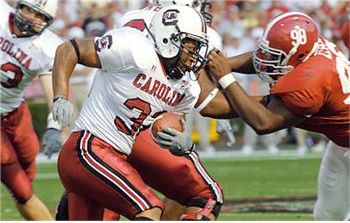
[[171, 67]]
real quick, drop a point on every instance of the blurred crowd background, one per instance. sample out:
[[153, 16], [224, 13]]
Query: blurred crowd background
[[240, 23]]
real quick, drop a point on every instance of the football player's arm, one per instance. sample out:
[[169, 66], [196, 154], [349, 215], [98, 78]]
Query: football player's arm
[[67, 56], [46, 83], [242, 63], [212, 103], [263, 119]]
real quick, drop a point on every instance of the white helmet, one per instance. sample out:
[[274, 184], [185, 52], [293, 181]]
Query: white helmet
[[196, 4], [201, 6], [170, 28], [47, 8]]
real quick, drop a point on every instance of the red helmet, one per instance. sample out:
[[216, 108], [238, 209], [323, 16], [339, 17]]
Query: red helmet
[[288, 40]]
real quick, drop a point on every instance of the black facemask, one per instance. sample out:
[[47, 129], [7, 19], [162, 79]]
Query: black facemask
[[171, 68], [26, 27]]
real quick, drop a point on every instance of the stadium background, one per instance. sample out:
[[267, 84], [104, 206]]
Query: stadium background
[[257, 187]]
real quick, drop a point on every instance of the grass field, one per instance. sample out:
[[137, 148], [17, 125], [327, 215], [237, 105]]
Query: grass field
[[243, 179]]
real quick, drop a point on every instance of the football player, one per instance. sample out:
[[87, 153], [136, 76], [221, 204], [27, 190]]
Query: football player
[[143, 157], [139, 78], [147, 157], [310, 89], [26, 51]]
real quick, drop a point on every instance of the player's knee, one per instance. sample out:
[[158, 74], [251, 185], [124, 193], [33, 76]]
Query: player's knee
[[22, 194], [208, 207]]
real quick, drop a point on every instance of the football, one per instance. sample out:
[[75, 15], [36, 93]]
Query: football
[[165, 120]]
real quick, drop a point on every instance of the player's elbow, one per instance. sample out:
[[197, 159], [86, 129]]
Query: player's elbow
[[262, 129]]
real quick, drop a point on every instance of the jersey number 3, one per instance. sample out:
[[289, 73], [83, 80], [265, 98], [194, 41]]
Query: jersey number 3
[[6, 69], [134, 103]]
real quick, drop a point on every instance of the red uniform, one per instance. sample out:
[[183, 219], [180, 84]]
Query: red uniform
[[179, 178], [18, 152], [319, 89], [106, 177], [346, 34], [21, 60]]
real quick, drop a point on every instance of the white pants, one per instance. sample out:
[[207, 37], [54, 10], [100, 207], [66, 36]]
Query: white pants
[[333, 195]]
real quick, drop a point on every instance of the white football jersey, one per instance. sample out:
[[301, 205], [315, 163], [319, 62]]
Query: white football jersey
[[21, 59], [131, 89], [140, 18]]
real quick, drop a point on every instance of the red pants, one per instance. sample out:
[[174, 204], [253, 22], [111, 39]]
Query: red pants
[[95, 176], [19, 147], [178, 178]]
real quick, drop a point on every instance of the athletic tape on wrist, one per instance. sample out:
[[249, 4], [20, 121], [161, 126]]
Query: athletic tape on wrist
[[226, 80]]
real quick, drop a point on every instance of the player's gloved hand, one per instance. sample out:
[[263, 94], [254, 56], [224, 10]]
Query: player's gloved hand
[[51, 142], [179, 143], [62, 110]]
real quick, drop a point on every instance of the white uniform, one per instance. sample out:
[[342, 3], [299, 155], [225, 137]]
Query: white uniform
[[21, 59], [333, 200], [130, 89]]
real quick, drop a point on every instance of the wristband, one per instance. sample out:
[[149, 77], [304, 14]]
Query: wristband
[[226, 80], [58, 97], [51, 123]]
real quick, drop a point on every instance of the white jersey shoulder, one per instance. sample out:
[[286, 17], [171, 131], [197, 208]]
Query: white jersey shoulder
[[22, 59], [47, 43], [130, 89], [124, 48]]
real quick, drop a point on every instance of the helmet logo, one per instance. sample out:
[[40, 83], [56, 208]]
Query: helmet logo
[[41, 2], [104, 42], [298, 36], [170, 17]]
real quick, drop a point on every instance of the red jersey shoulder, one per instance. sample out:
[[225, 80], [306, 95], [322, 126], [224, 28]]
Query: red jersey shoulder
[[304, 89]]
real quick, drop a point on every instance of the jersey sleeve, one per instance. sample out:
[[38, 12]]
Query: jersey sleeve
[[302, 93], [123, 49]]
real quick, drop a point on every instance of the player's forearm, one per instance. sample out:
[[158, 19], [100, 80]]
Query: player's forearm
[[242, 63], [220, 108], [65, 61], [251, 111]]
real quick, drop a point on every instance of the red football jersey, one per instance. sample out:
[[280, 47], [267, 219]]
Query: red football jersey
[[319, 89]]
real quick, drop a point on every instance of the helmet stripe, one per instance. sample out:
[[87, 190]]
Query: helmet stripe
[[204, 25]]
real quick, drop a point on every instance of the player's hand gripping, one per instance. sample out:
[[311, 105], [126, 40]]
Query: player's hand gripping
[[218, 64], [51, 141], [179, 143], [62, 110]]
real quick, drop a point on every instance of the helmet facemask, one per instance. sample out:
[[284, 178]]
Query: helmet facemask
[[270, 63], [196, 53], [27, 27]]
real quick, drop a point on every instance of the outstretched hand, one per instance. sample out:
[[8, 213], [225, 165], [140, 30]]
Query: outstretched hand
[[218, 64], [62, 111]]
